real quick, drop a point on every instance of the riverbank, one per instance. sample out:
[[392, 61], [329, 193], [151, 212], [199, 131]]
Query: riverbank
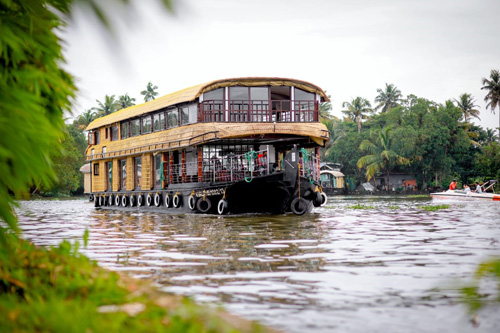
[[61, 290]]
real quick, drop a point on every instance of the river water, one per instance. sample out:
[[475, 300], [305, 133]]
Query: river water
[[390, 267]]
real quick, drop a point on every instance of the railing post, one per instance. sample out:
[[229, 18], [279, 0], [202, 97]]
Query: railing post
[[267, 158]]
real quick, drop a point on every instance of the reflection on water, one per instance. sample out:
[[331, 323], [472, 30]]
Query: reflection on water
[[344, 269]]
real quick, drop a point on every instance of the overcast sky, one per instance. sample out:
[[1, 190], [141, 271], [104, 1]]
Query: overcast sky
[[436, 49]]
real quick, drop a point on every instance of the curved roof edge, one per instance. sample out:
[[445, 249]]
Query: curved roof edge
[[191, 93]]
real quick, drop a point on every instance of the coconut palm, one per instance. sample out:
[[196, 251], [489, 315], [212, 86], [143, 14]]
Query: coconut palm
[[124, 101], [465, 103], [492, 86], [85, 119], [109, 106], [324, 109], [380, 155], [388, 98], [357, 110], [150, 92]]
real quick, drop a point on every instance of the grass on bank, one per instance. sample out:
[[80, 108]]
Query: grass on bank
[[60, 290], [434, 208]]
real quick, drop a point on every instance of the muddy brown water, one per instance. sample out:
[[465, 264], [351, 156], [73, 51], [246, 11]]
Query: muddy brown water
[[390, 267]]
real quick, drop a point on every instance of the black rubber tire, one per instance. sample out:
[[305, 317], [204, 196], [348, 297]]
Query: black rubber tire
[[299, 206], [132, 200], [177, 200], [204, 205], [111, 200], [91, 197], [118, 200], [324, 198], [318, 199], [149, 200], [157, 199], [168, 200], [102, 200], [222, 207], [124, 201], [140, 200], [96, 202], [192, 202]]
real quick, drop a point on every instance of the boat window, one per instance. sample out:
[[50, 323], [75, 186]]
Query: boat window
[[135, 127], [172, 118], [304, 101], [125, 130], [92, 152], [260, 103], [184, 113], [159, 122], [138, 172], [91, 138], [158, 170], [239, 102], [146, 124], [214, 95], [97, 137], [193, 113], [114, 132], [109, 185], [96, 169], [302, 95], [123, 176]]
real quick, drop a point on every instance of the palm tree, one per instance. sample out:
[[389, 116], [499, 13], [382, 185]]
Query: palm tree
[[325, 108], [124, 101], [149, 93], [493, 87], [388, 99], [109, 106], [357, 110], [490, 136], [380, 155], [465, 103], [85, 119]]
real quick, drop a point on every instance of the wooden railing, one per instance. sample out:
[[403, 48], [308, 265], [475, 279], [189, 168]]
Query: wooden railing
[[245, 111]]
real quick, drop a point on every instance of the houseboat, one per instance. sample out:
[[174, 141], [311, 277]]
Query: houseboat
[[232, 146]]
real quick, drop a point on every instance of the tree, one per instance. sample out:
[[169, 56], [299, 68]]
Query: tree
[[492, 85], [380, 155], [34, 92], [85, 119], [124, 101], [357, 110], [324, 109], [150, 92], [109, 106], [388, 98], [465, 103]]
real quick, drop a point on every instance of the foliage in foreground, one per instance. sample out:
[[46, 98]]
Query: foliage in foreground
[[472, 297], [59, 290], [434, 208]]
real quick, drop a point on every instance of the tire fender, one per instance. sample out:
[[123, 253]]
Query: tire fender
[[124, 201], [177, 200], [222, 207], [157, 199], [149, 200], [192, 202], [168, 200], [299, 206], [324, 198], [117, 200], [204, 204]]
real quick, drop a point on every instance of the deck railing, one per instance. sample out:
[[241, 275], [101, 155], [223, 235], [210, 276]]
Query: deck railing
[[258, 111], [234, 168]]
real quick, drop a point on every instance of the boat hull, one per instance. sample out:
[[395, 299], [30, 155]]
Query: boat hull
[[461, 195]]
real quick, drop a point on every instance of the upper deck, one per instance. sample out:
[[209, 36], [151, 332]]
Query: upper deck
[[281, 103]]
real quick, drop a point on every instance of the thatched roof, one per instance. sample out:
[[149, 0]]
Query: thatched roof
[[192, 93]]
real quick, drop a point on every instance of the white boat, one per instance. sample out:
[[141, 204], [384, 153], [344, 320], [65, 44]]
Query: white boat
[[461, 194]]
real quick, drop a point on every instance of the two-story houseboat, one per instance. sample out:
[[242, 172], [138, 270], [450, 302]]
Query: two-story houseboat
[[242, 145]]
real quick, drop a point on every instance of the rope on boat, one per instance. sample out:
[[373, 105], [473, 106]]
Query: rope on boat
[[250, 156], [305, 158]]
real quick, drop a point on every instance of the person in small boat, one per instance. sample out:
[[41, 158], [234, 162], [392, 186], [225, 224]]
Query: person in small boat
[[466, 189], [453, 185], [479, 189]]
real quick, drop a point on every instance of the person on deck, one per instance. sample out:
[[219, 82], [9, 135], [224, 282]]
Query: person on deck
[[466, 189], [453, 185], [479, 189]]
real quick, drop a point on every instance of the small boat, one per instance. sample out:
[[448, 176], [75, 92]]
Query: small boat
[[461, 194]]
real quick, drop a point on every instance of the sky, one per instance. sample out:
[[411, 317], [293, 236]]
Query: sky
[[435, 49]]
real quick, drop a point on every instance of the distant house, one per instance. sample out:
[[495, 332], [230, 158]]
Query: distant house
[[397, 181], [332, 180], [85, 169]]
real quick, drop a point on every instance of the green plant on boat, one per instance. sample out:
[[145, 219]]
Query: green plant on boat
[[434, 208], [60, 290], [360, 206]]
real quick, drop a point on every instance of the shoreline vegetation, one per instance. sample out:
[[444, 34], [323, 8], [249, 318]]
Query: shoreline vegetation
[[58, 289]]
